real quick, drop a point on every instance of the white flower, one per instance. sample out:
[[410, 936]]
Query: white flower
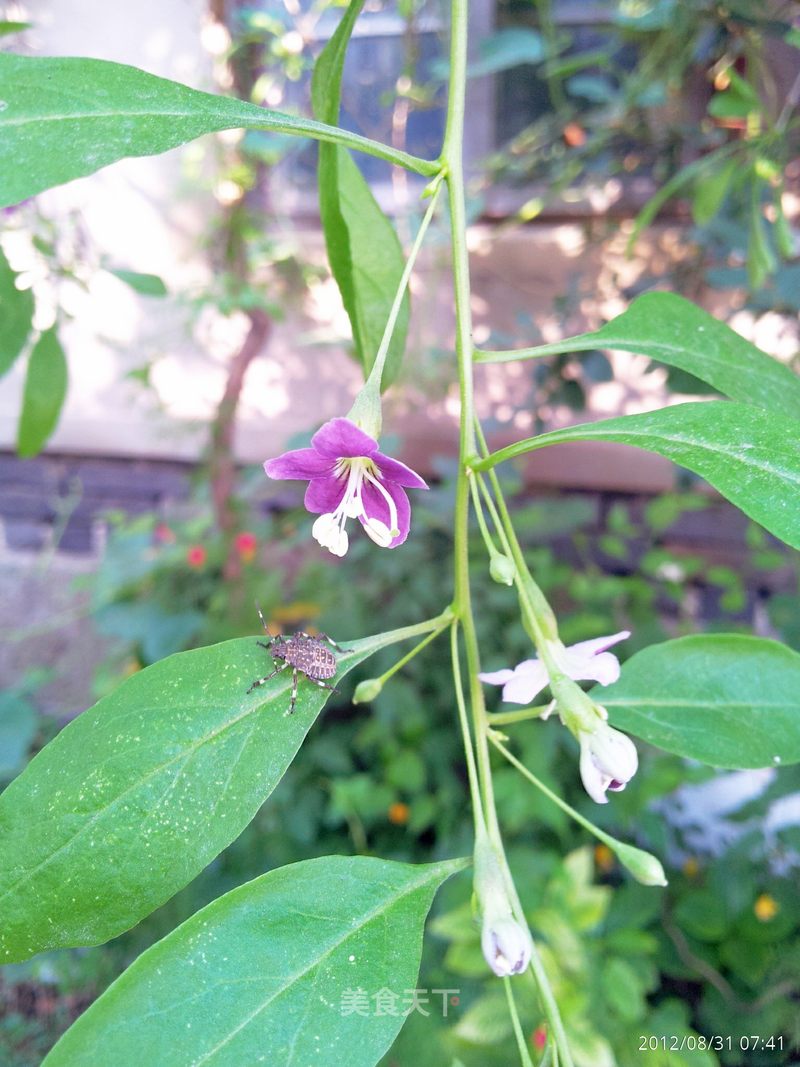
[[506, 946], [608, 761], [586, 661]]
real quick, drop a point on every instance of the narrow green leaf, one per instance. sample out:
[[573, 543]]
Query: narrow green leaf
[[710, 190], [675, 331], [146, 284], [751, 456], [364, 252], [723, 699], [16, 315], [43, 397], [134, 797], [673, 185], [7, 27], [63, 118], [287, 969]]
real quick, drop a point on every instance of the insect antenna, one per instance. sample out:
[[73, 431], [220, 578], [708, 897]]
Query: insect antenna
[[260, 615]]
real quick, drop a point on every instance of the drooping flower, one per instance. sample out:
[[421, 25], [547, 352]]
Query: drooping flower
[[585, 661], [348, 478], [608, 760]]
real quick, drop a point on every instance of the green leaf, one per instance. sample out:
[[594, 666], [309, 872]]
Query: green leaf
[[749, 455], [710, 190], [7, 27], [723, 699], [266, 973], [43, 397], [505, 49], [16, 315], [134, 797], [146, 284], [364, 252], [66, 117], [675, 331]]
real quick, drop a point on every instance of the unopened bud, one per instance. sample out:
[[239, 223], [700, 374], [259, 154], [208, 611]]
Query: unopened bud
[[608, 760], [506, 946], [502, 569], [644, 866], [367, 690], [506, 943]]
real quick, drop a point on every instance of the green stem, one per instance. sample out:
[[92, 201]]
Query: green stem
[[576, 815], [491, 548], [414, 651], [509, 718], [522, 1045], [452, 165], [391, 637], [380, 358], [472, 770]]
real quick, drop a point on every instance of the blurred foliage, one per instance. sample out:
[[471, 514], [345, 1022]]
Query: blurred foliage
[[716, 952], [681, 95]]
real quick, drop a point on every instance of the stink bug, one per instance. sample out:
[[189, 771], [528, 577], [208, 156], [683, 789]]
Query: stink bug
[[305, 654]]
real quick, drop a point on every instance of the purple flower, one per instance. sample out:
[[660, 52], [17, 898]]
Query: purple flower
[[348, 478], [586, 661]]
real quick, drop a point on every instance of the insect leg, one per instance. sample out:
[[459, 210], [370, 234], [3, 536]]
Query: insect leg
[[266, 678], [294, 692], [330, 640], [322, 685]]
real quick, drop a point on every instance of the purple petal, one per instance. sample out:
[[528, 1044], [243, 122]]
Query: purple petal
[[603, 669], [599, 644], [302, 463], [324, 494], [526, 683], [377, 507], [341, 437], [497, 677], [395, 471]]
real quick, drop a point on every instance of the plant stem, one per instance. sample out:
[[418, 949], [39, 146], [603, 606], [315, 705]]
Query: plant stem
[[524, 1055], [391, 637], [452, 165], [410, 655], [508, 718], [374, 379], [469, 753]]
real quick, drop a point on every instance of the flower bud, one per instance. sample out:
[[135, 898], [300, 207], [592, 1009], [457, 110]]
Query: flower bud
[[367, 690], [608, 760], [502, 569], [644, 866], [506, 943], [506, 946]]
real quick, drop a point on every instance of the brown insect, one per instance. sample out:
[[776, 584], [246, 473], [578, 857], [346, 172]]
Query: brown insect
[[305, 654]]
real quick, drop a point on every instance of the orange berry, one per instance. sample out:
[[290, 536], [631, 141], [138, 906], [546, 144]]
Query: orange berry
[[398, 813], [574, 135]]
